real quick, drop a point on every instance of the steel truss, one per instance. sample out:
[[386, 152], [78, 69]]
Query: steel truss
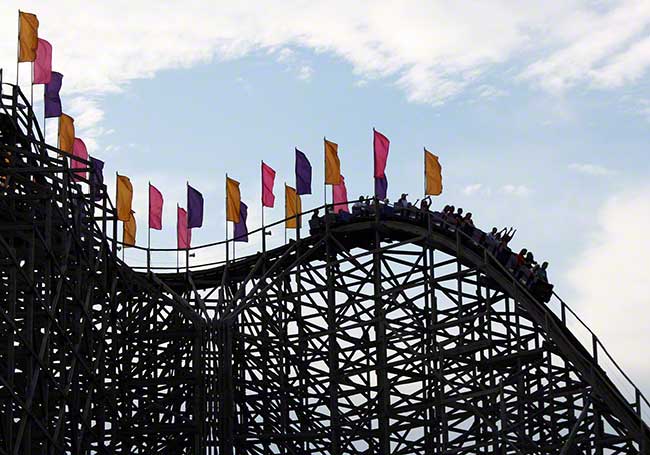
[[378, 336]]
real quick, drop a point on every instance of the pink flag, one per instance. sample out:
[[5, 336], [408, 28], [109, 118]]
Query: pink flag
[[381, 144], [43, 63], [268, 178], [184, 234], [339, 195], [79, 151], [155, 208]]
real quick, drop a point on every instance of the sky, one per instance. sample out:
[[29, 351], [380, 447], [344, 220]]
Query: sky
[[539, 112]]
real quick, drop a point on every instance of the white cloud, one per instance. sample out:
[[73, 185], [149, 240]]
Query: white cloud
[[591, 169], [305, 72], [473, 188], [434, 51], [516, 190], [611, 283]]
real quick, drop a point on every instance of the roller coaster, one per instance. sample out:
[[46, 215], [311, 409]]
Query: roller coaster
[[378, 335]]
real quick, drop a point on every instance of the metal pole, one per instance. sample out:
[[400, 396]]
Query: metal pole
[[227, 246], [187, 227], [149, 231], [262, 201], [285, 212], [18, 50], [325, 174]]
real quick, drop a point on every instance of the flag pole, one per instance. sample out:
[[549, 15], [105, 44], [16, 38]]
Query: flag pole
[[285, 212], [187, 226], [262, 201], [31, 86], [18, 50], [227, 247], [177, 259], [149, 230], [324, 175]]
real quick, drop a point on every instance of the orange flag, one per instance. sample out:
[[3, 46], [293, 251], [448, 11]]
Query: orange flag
[[332, 163], [292, 207], [124, 197], [27, 36], [128, 234], [233, 199], [432, 174], [66, 133]]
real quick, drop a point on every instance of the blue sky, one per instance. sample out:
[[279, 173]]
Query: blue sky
[[540, 116]]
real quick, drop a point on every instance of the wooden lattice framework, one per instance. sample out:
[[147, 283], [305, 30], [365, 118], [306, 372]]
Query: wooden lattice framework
[[379, 335]]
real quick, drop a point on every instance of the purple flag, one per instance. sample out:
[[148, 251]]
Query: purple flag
[[96, 176], [381, 186], [194, 208], [52, 98], [303, 173], [241, 231]]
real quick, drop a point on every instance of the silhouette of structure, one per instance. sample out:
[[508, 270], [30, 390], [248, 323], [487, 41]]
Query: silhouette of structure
[[377, 336]]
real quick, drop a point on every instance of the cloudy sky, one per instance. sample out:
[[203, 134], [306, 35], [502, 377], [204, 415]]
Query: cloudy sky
[[539, 111]]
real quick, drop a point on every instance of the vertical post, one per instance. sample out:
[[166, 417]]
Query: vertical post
[[149, 230], [31, 86], [324, 176], [383, 386], [285, 213], [177, 252], [332, 345], [227, 246], [18, 51], [262, 201], [187, 228]]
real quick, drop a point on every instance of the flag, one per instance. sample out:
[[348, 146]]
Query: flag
[[332, 163], [27, 37], [233, 200], [303, 173], [381, 186], [66, 133], [43, 63], [128, 232], [292, 207], [155, 208], [184, 237], [96, 177], [340, 196], [124, 197], [380, 144], [240, 230], [79, 150], [432, 173], [52, 98], [268, 179], [194, 208]]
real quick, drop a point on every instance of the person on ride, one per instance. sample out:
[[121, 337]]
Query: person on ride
[[357, 207], [540, 274], [425, 204], [402, 202]]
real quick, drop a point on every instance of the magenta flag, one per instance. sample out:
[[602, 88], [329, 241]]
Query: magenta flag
[[43, 63], [268, 178], [339, 196], [155, 208], [381, 144], [79, 151], [184, 233]]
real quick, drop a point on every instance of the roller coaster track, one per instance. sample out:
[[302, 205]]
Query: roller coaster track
[[379, 334]]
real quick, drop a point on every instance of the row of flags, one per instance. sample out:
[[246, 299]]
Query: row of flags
[[39, 52], [237, 210]]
